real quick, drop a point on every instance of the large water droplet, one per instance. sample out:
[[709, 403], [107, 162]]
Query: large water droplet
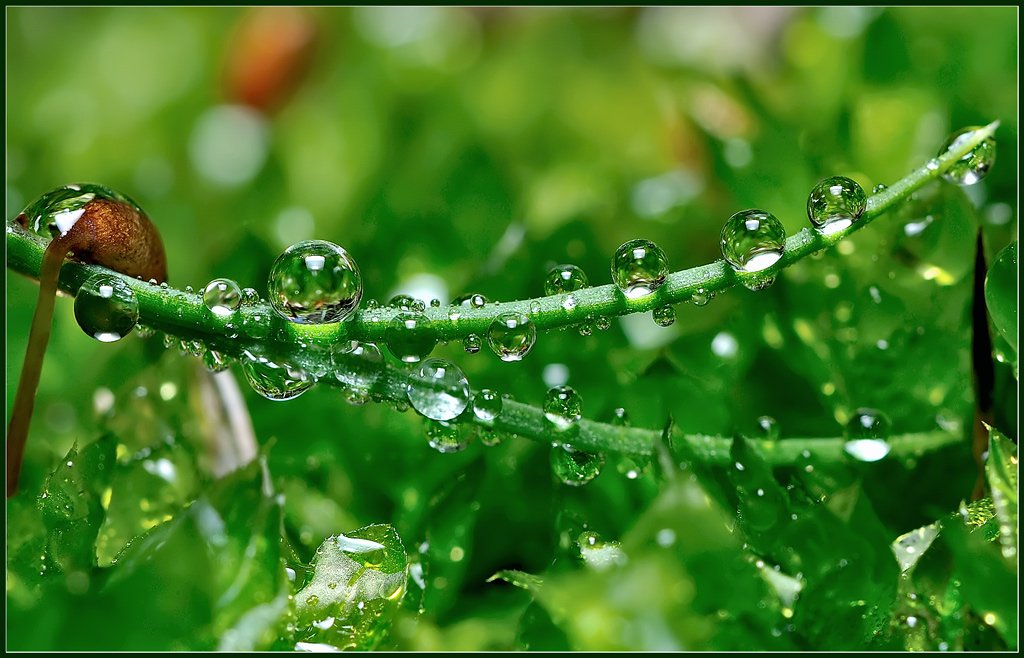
[[410, 336], [222, 297], [639, 267], [575, 467], [445, 437], [55, 212], [563, 279], [866, 435], [438, 390], [563, 407], [753, 240], [835, 203], [664, 316], [486, 405], [511, 336], [315, 282], [106, 308], [274, 381], [974, 166], [358, 366]]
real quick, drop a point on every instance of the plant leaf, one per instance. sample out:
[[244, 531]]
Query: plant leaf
[[1001, 294], [1001, 471], [358, 583]]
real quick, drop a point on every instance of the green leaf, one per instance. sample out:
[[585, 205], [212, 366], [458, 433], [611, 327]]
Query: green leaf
[[71, 505], [1001, 471], [528, 581], [988, 580], [358, 583], [1001, 294]]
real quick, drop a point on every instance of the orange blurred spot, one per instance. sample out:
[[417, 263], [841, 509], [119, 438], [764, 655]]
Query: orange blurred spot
[[268, 56]]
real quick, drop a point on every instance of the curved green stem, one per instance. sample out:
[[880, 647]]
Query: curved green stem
[[259, 330]]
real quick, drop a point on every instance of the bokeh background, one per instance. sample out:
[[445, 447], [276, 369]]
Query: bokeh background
[[456, 150]]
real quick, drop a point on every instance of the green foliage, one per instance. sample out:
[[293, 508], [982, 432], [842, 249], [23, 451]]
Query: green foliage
[[481, 147]]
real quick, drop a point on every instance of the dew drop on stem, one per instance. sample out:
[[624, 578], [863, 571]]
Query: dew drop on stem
[[835, 203], [106, 308], [438, 390], [222, 297], [315, 282], [639, 267], [752, 240], [974, 166], [512, 336]]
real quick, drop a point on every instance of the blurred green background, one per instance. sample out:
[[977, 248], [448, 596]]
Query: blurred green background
[[455, 150]]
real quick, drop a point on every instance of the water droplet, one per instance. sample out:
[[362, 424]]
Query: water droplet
[[215, 361], [189, 290], [563, 279], [490, 437], [585, 328], [534, 307], [472, 343], [620, 417], [250, 297], [472, 300], [569, 303], [55, 212], [575, 467], [974, 166], [602, 323], [106, 308], [563, 408], [486, 405], [866, 434], [273, 381], [366, 552], [410, 336], [438, 390], [701, 297], [315, 282], [358, 366], [511, 336], [753, 240], [932, 164], [664, 316], [770, 427], [222, 296], [835, 203], [445, 437], [403, 303], [144, 331], [878, 189], [639, 268]]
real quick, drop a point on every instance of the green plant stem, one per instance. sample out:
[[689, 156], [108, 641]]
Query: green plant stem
[[259, 330]]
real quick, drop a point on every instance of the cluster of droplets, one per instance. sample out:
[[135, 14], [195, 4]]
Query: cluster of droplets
[[317, 282]]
